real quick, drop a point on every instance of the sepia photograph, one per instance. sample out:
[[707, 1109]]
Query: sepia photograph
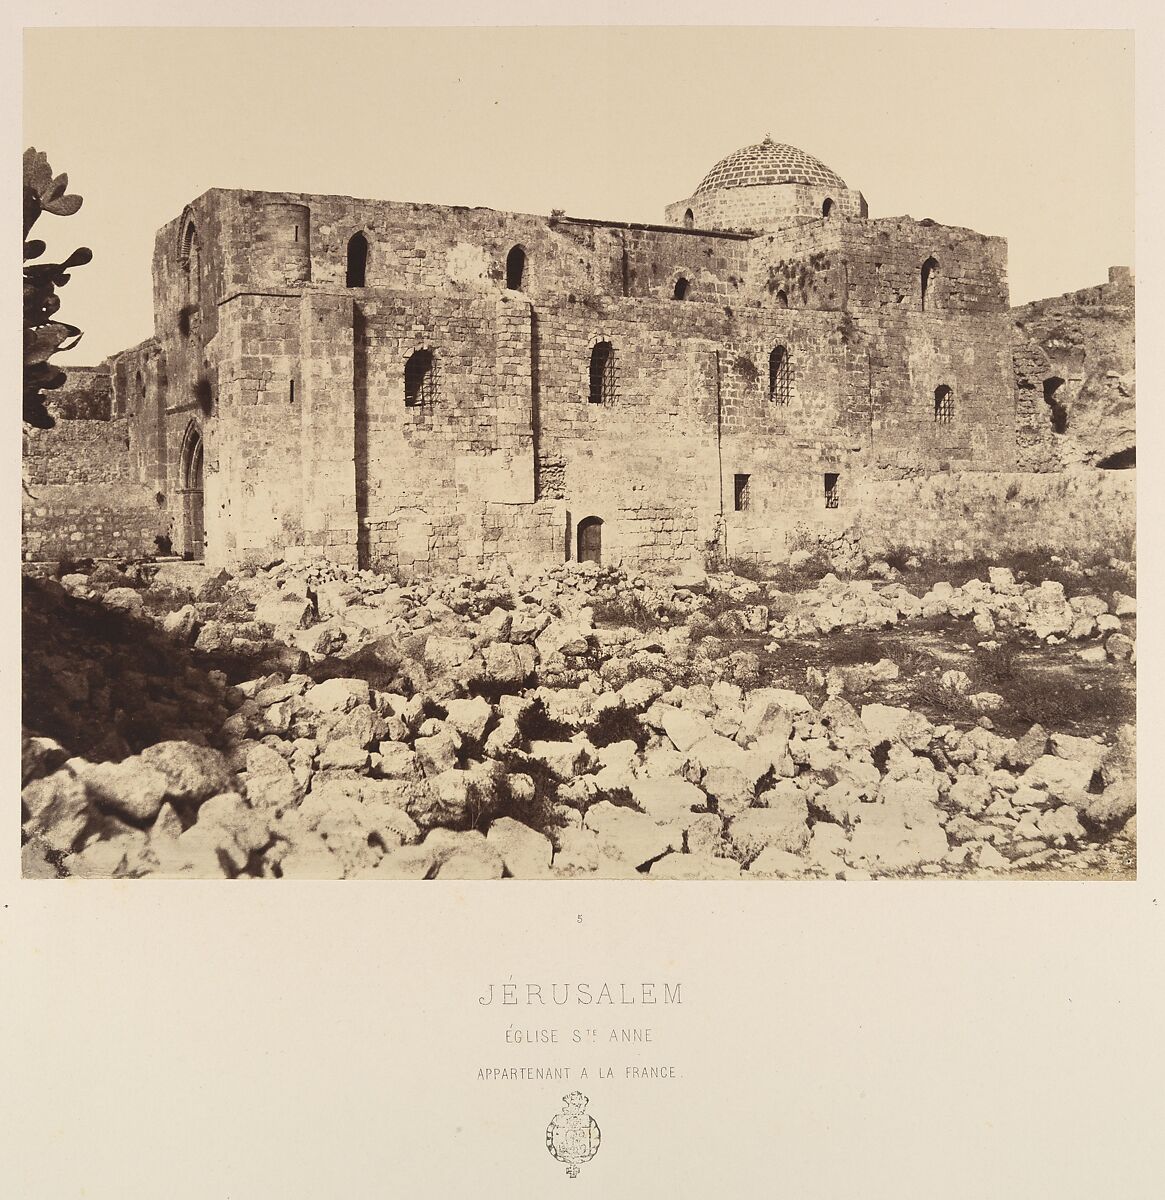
[[523, 443], [579, 453]]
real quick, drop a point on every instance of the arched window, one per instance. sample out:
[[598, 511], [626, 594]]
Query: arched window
[[944, 405], [515, 268], [189, 246], [680, 291], [782, 298], [357, 261], [191, 258], [827, 207], [420, 379], [602, 373], [929, 269], [779, 375], [689, 219], [1057, 412]]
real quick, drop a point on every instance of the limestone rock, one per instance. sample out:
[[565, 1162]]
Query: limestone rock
[[729, 788], [284, 613], [58, 808], [629, 836], [338, 695], [783, 826], [192, 772], [467, 856], [694, 866], [683, 728], [1061, 822], [525, 852], [437, 753], [1059, 777], [667, 800], [444, 654], [343, 754], [772, 863], [469, 717], [182, 623], [565, 760], [132, 788], [124, 599]]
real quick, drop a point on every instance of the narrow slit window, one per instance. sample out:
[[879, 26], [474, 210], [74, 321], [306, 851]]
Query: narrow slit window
[[832, 489], [602, 374], [291, 392], [740, 492], [779, 383], [929, 271], [944, 405], [420, 379]]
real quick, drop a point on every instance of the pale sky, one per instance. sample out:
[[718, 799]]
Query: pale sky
[[1023, 134]]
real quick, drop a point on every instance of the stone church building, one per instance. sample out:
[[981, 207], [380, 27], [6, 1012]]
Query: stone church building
[[429, 389]]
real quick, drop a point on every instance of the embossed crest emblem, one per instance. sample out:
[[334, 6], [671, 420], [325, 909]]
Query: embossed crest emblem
[[573, 1134]]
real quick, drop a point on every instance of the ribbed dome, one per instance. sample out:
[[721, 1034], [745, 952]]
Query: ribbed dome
[[765, 163]]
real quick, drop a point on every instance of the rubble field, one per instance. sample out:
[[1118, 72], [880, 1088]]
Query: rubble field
[[308, 721]]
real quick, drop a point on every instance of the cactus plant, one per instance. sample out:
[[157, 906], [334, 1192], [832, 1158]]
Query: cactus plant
[[45, 336]]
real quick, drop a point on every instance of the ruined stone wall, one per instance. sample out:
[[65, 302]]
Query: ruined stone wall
[[1075, 377], [288, 241], [86, 395], [867, 266], [971, 512], [83, 498]]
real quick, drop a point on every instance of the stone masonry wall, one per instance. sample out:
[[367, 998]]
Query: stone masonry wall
[[866, 266], [440, 249], [971, 512], [294, 383], [765, 206], [82, 494], [85, 395]]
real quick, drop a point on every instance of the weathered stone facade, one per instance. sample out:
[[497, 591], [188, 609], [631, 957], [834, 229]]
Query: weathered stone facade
[[1076, 378], [430, 389]]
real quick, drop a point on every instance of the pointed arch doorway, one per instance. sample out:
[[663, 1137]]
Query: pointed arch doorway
[[190, 467]]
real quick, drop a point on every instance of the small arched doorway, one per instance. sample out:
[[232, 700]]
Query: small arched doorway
[[193, 534], [590, 540]]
